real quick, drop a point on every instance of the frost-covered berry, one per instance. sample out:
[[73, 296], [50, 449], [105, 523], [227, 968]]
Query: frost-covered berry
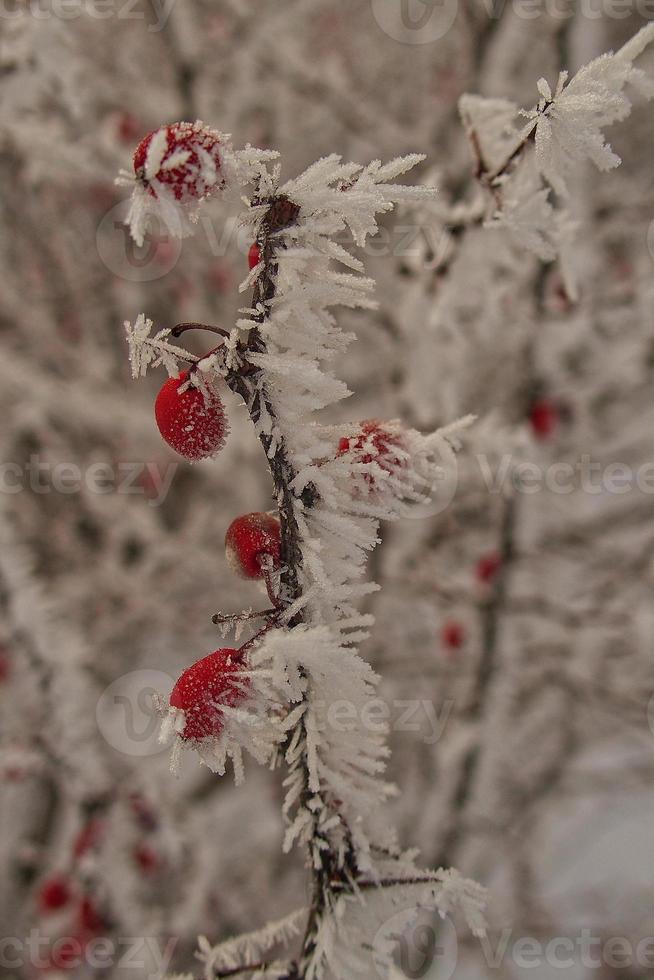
[[487, 568], [254, 256], [543, 418], [249, 540], [184, 158], [204, 687], [452, 635], [375, 443], [54, 894], [193, 426]]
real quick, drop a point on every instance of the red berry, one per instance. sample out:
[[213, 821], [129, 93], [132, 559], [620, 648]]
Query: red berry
[[13, 774], [254, 256], [5, 665], [248, 540], [184, 157], [373, 444], [127, 127], [89, 837], [453, 635], [219, 277], [204, 687], [543, 418], [166, 251], [54, 893], [90, 920], [193, 427], [147, 859], [487, 567]]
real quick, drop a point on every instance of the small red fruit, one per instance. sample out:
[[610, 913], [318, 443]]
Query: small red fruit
[[91, 921], [127, 127], [487, 568], [543, 418], [147, 859], [204, 687], [184, 157], [248, 540], [453, 635], [5, 665], [54, 893], [254, 256], [219, 277], [374, 443], [193, 427], [89, 837]]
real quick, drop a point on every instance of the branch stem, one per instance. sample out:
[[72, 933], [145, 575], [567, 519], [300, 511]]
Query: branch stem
[[181, 328]]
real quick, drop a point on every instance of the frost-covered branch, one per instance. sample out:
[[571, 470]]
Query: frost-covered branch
[[331, 490]]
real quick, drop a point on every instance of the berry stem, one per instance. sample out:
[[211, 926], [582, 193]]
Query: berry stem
[[181, 328]]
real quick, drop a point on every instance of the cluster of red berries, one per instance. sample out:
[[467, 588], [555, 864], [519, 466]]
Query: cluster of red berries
[[195, 427], [60, 894], [63, 893], [184, 157], [453, 634], [253, 550], [194, 423]]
